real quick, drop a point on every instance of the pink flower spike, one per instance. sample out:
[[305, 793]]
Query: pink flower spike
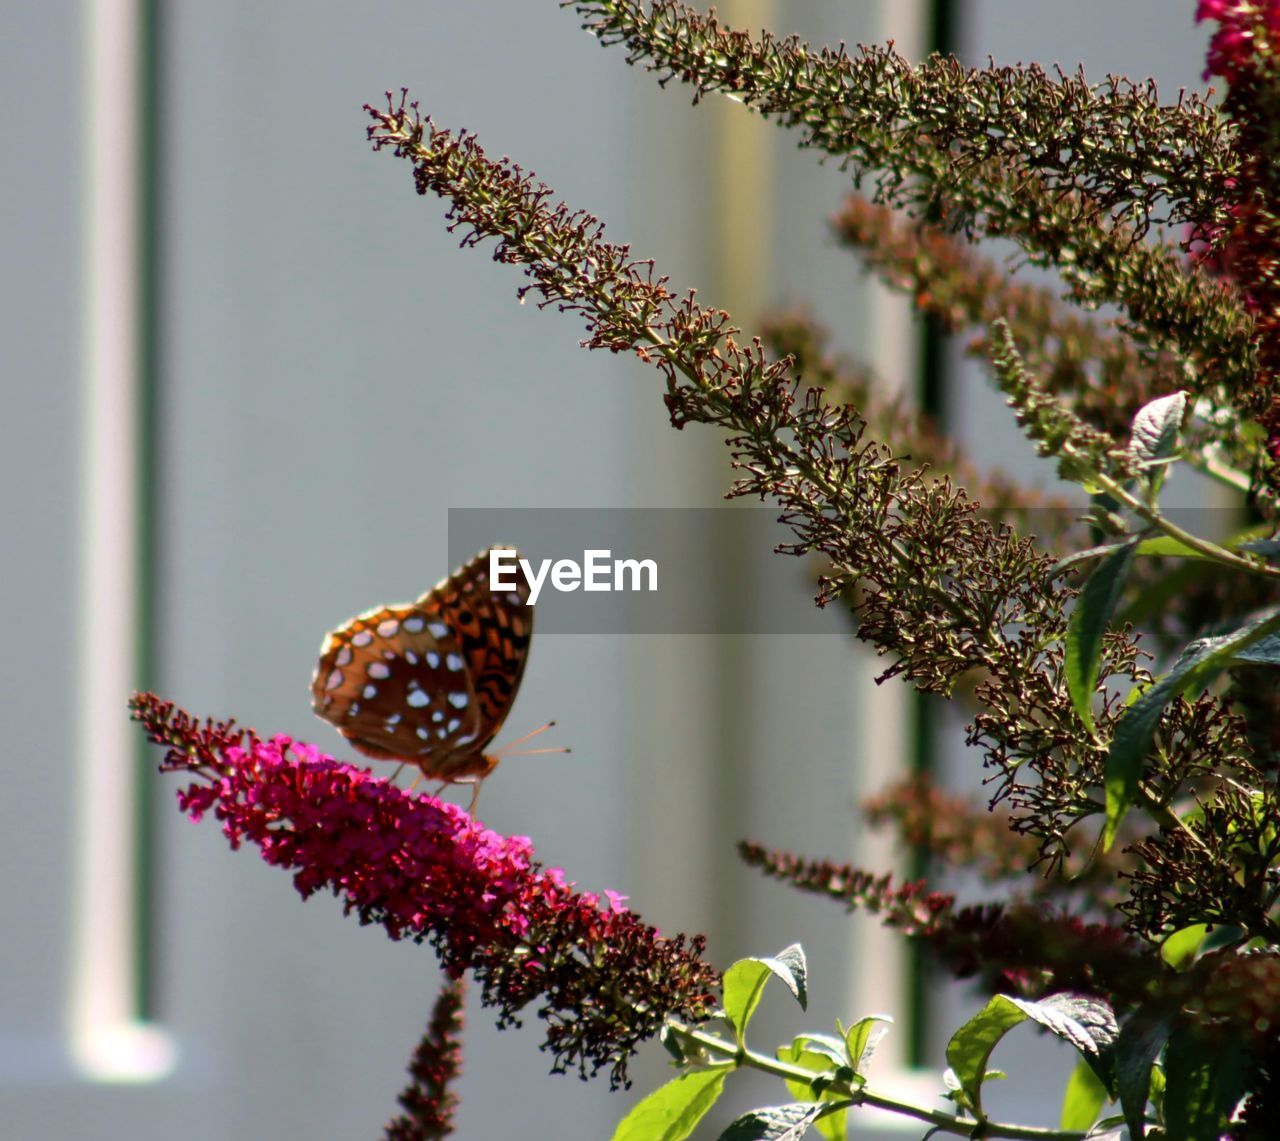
[[424, 869]]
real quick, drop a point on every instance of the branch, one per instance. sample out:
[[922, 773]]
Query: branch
[[1074, 173]]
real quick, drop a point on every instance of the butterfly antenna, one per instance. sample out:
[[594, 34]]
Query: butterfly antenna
[[505, 750], [510, 750]]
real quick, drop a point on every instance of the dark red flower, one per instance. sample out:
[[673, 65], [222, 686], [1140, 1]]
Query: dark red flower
[[1247, 32]]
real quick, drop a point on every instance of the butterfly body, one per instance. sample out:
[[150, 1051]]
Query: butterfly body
[[429, 683]]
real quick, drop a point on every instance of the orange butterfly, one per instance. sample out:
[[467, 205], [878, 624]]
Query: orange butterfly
[[429, 683]]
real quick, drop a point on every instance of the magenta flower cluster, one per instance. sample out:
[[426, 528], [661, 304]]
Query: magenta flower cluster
[[418, 864], [1248, 31], [422, 868], [1242, 246]]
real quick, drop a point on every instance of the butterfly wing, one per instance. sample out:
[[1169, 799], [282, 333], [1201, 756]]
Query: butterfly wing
[[395, 684], [431, 682], [493, 629]]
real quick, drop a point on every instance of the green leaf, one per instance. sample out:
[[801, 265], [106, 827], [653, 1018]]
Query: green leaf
[[862, 1038], [672, 1112], [1089, 1024], [1267, 548], [1166, 546], [1257, 539], [744, 984], [1157, 1087], [1202, 1085], [1264, 652], [971, 1045], [1082, 1100], [816, 1063], [1197, 665], [1224, 935], [1087, 624], [791, 968], [828, 1045], [1140, 1041], [777, 1123], [1154, 436], [1181, 948], [832, 1126]]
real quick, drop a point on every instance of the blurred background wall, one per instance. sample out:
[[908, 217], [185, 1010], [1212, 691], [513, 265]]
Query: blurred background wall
[[247, 374]]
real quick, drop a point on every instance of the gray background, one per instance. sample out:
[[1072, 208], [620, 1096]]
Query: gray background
[[336, 376]]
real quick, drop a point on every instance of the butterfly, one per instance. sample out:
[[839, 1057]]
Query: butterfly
[[429, 683]]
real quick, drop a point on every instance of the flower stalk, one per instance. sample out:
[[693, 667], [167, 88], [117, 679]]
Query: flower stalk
[[423, 869]]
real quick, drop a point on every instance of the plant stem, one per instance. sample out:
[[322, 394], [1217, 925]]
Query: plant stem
[[1203, 546], [946, 1122], [1163, 815]]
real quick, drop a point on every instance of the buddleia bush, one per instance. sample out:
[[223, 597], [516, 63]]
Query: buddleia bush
[[1118, 670]]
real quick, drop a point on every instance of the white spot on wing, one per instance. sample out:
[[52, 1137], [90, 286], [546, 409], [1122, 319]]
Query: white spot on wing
[[388, 627], [414, 624], [333, 680], [417, 698], [369, 692], [380, 670], [343, 657], [438, 629], [362, 638], [433, 659], [454, 662], [458, 700], [452, 727]]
